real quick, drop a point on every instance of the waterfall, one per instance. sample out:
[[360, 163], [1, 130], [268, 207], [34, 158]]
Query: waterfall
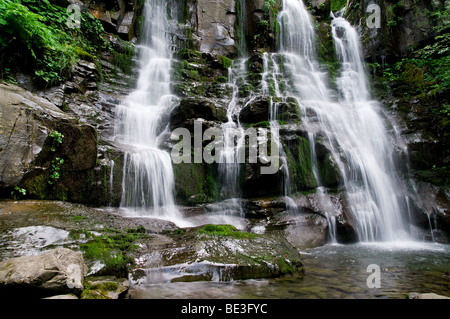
[[148, 181], [229, 167], [271, 85], [348, 120]]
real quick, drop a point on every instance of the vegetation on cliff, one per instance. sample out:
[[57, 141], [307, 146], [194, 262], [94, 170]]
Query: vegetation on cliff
[[35, 36]]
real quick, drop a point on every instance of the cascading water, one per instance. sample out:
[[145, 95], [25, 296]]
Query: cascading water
[[229, 169], [270, 84], [148, 180], [349, 122], [233, 144]]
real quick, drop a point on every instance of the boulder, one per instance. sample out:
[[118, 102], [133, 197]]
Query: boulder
[[255, 111], [60, 270], [259, 109], [301, 231], [194, 108], [217, 253], [125, 29], [106, 287], [24, 130], [28, 151]]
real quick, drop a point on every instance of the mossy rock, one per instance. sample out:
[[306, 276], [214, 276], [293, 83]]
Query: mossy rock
[[225, 231], [222, 253], [106, 287], [298, 153]]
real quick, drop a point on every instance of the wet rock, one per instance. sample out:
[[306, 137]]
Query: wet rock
[[321, 6], [230, 255], [387, 40], [125, 29], [301, 230], [32, 240], [216, 21], [258, 109], [193, 108], [106, 287], [27, 148], [430, 295], [23, 130], [58, 270]]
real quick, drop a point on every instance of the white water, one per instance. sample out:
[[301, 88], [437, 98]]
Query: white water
[[271, 80], [148, 180], [349, 121]]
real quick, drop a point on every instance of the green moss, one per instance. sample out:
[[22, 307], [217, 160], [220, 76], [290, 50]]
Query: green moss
[[123, 60], [113, 249], [337, 5], [98, 290], [36, 186], [80, 233], [328, 173], [282, 265], [191, 183], [226, 62], [261, 124], [211, 188], [221, 79], [298, 154], [225, 230]]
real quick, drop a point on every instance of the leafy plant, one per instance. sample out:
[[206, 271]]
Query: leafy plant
[[35, 33], [57, 138], [55, 170], [18, 192]]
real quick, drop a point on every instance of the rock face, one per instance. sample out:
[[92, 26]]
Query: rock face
[[404, 26], [56, 271], [28, 151], [216, 21]]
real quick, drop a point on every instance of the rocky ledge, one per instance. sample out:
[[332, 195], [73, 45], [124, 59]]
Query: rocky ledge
[[61, 250]]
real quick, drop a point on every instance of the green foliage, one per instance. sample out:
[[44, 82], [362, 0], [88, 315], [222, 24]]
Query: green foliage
[[395, 13], [34, 36], [428, 68], [57, 138], [18, 192], [269, 6], [55, 168], [337, 5]]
